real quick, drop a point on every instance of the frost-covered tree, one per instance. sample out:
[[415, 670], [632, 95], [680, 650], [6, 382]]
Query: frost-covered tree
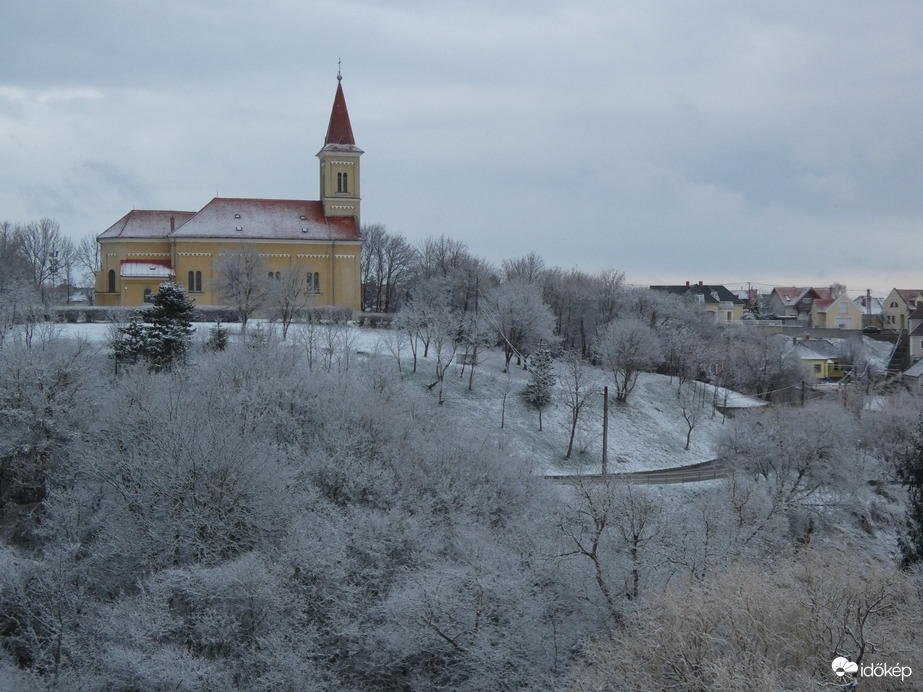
[[579, 385], [804, 459], [909, 468], [242, 282], [289, 295], [387, 264], [692, 406], [43, 245], [628, 347], [759, 363], [767, 629], [520, 318], [616, 526], [540, 389], [87, 264]]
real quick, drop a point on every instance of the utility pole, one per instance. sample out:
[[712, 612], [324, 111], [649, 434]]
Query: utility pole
[[605, 428]]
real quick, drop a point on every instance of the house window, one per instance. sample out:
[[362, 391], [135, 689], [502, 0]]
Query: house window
[[278, 276], [817, 367], [111, 286], [342, 185], [844, 308], [893, 304]]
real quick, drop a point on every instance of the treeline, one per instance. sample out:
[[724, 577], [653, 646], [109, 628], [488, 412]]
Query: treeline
[[243, 520], [40, 265]]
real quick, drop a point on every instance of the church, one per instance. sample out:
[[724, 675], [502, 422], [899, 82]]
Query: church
[[321, 238]]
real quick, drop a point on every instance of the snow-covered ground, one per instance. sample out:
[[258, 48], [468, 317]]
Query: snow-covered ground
[[649, 432]]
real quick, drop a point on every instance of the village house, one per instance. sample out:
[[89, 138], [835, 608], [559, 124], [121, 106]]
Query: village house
[[835, 313], [898, 305], [795, 302], [821, 359], [718, 300]]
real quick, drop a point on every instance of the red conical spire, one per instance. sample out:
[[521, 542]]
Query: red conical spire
[[339, 131]]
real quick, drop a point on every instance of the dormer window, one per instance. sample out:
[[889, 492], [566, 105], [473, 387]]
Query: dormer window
[[239, 228], [236, 216], [342, 183]]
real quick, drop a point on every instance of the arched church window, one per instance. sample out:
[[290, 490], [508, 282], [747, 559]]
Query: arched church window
[[111, 286], [316, 282], [191, 281], [342, 183]]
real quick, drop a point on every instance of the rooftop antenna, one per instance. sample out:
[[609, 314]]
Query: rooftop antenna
[[339, 65]]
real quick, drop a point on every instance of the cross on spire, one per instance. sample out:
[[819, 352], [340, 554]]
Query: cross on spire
[[339, 65]]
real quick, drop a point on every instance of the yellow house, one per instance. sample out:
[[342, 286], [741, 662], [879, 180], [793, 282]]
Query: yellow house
[[898, 306], [836, 313], [821, 360], [321, 238]]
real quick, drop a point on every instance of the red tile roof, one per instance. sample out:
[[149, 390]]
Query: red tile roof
[[339, 131]]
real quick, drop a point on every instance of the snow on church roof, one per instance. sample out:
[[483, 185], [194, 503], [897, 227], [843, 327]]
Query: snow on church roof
[[147, 224], [269, 219]]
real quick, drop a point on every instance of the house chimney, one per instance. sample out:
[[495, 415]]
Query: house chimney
[[172, 224], [700, 283], [687, 284]]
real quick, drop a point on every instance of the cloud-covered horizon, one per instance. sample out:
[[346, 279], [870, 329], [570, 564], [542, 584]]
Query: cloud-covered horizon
[[773, 143]]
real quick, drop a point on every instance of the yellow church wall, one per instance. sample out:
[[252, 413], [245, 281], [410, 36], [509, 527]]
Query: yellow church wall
[[337, 267], [112, 253]]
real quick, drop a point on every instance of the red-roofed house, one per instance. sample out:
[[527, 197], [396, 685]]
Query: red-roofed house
[[836, 313], [145, 248]]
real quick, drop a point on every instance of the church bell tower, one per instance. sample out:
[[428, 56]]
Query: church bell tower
[[339, 162]]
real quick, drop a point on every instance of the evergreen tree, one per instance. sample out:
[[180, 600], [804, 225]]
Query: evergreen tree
[[163, 339], [170, 333], [539, 389], [131, 343], [217, 338]]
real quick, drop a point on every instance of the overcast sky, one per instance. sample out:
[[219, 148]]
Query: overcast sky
[[724, 141]]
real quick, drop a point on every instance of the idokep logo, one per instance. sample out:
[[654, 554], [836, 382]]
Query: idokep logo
[[843, 666]]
